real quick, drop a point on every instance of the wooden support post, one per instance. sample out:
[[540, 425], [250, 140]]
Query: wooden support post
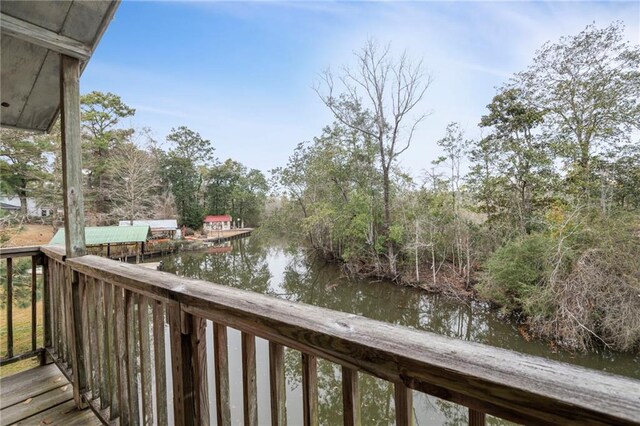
[[72, 156]]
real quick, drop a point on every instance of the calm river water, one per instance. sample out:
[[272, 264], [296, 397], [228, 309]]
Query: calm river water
[[271, 268]]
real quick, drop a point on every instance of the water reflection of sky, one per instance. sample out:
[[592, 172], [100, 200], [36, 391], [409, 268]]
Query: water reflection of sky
[[288, 273]]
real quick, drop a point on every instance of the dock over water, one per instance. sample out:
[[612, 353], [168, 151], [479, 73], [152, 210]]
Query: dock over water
[[227, 235]]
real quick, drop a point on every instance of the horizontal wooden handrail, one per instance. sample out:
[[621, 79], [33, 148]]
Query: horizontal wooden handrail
[[9, 252], [507, 384], [55, 252]]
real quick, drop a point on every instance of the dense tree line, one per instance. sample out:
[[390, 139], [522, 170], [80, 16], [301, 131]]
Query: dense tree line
[[127, 175], [540, 215]]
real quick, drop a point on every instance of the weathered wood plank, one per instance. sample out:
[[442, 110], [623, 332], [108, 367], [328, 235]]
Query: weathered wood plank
[[131, 343], [71, 142], [309, 390], [56, 290], [145, 361], [277, 385], [7, 252], [64, 414], [16, 388], [120, 333], [221, 372], [43, 37], [199, 365], [56, 253], [350, 397], [84, 308], [37, 404], [101, 343], [75, 327], [249, 383], [404, 405], [111, 352], [47, 303], [180, 369], [160, 362], [9, 307], [62, 312], [92, 339], [476, 418], [131, 277]]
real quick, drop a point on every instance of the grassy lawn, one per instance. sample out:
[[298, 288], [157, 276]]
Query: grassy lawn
[[21, 337]]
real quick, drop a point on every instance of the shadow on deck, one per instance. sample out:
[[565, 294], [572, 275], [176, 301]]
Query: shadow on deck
[[40, 396]]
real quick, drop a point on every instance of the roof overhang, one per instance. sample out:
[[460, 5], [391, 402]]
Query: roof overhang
[[33, 35]]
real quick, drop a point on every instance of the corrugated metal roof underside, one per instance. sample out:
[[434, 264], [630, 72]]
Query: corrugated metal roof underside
[[30, 73], [96, 235]]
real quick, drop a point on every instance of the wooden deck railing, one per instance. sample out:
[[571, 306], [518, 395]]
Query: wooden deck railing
[[11, 255], [107, 329]]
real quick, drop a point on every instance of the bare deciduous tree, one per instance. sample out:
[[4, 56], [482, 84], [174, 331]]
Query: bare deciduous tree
[[135, 183], [390, 88]]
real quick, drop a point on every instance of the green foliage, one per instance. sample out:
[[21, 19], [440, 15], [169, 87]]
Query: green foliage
[[233, 189], [21, 284], [588, 85], [578, 283], [517, 271], [24, 164], [101, 113]]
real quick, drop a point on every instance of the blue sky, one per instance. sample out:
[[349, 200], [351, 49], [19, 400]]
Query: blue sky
[[242, 73]]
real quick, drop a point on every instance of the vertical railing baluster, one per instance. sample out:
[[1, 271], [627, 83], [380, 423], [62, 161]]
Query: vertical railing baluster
[[94, 353], [9, 307], [476, 418], [132, 364], [309, 389], [160, 363], [112, 352], [221, 370], [62, 307], [86, 330], [121, 354], [404, 404], [103, 357], [145, 361], [350, 397], [76, 337], [34, 306], [249, 384], [46, 306], [199, 363], [277, 385]]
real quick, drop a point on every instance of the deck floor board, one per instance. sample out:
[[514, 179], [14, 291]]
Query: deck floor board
[[41, 395]]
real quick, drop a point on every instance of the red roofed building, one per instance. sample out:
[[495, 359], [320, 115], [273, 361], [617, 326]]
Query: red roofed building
[[217, 223]]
